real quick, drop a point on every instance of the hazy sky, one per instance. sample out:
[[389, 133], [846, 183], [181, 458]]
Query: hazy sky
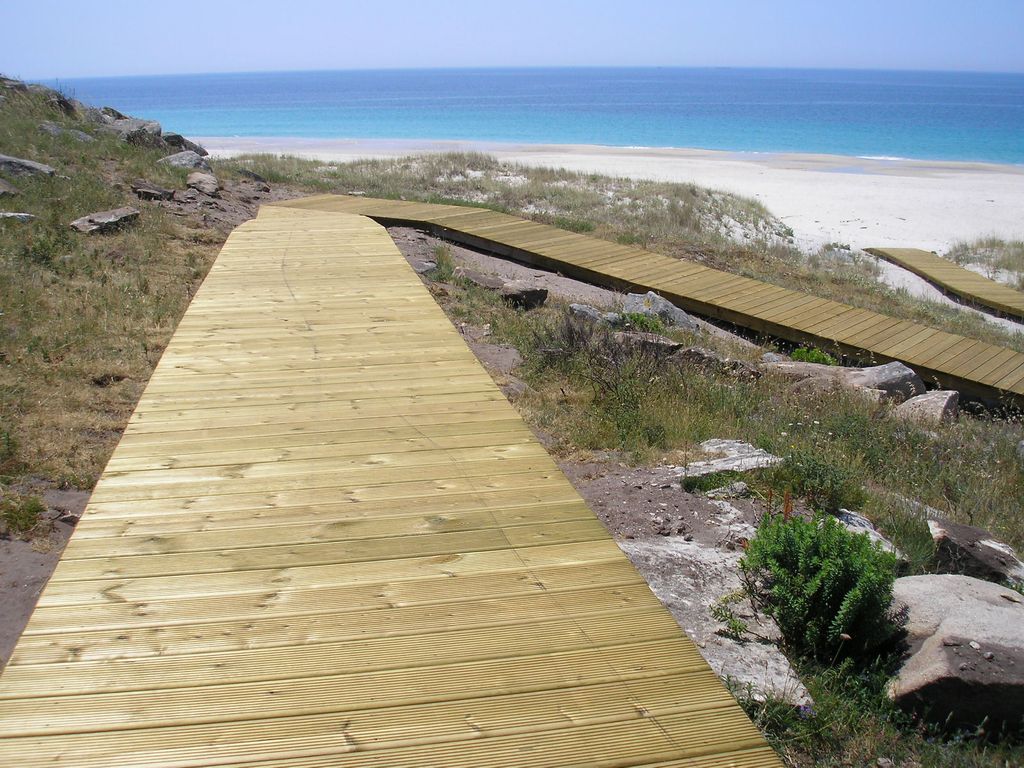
[[51, 39]]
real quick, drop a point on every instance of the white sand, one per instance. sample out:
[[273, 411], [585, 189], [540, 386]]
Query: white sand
[[861, 202]]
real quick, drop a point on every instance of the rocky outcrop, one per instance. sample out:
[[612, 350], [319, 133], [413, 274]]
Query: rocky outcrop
[[16, 166], [651, 304], [930, 409], [180, 142], [709, 360], [523, 295], [964, 549], [966, 659], [185, 159], [147, 190], [593, 315], [651, 344], [892, 381], [21, 218], [857, 523], [204, 182], [105, 221], [55, 130], [729, 456]]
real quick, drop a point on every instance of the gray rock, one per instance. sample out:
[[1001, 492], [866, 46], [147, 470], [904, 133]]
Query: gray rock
[[857, 523], [10, 84], [737, 490], [8, 190], [204, 182], [894, 381], [21, 218], [966, 661], [479, 279], [964, 549], [523, 295], [149, 191], [422, 267], [712, 361], [143, 133], [774, 357], [735, 456], [180, 142], [594, 315], [110, 114], [58, 130], [256, 177], [647, 343], [931, 408], [186, 159], [651, 304], [16, 166], [105, 221]]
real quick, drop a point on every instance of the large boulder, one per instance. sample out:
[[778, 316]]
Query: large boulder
[[965, 665], [651, 304], [204, 182], [147, 190], [523, 295], [180, 142], [143, 133], [728, 456], [58, 130], [971, 551], [892, 381], [855, 522], [185, 159], [105, 221], [930, 409], [17, 166], [709, 360], [593, 315]]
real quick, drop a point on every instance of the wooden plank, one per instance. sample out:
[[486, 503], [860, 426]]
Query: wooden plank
[[325, 528]]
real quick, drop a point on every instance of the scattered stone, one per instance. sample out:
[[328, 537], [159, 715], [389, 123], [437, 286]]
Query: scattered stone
[[930, 409], [964, 549], [180, 142], [22, 218], [734, 456], [422, 267], [8, 189], [149, 191], [523, 295], [651, 304], [16, 166], [737, 490], [591, 314], [652, 344], [953, 622], [58, 130], [857, 523], [204, 182], [710, 360], [479, 279], [105, 221], [892, 381], [186, 159]]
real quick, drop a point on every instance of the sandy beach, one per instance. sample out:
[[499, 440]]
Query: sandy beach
[[861, 202]]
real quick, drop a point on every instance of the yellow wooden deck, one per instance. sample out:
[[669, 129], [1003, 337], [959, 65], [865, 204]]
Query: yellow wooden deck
[[326, 539], [953, 279], [971, 366]]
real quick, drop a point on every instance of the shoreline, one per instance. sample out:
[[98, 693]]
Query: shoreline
[[857, 201]]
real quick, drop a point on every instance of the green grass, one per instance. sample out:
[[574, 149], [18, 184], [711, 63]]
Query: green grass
[[20, 514]]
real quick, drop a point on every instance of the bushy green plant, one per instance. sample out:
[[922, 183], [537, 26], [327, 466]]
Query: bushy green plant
[[444, 270], [812, 355], [19, 514], [826, 481], [644, 323], [829, 590]]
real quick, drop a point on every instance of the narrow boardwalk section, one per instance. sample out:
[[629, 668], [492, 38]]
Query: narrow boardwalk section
[[326, 539], [954, 280], [974, 367]]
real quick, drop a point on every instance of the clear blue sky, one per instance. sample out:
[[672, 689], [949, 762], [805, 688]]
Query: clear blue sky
[[47, 39]]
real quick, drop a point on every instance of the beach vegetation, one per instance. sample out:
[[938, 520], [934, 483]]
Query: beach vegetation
[[994, 257], [812, 355]]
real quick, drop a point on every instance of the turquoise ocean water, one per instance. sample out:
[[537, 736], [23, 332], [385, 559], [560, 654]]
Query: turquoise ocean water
[[925, 115]]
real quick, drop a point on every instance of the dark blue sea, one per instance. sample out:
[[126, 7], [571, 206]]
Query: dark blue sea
[[926, 115]]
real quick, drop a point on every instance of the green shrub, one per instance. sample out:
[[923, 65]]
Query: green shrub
[[825, 480], [812, 355], [829, 590], [19, 515], [445, 269], [636, 321]]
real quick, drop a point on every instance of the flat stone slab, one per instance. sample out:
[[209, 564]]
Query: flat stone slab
[[20, 167], [737, 456], [106, 221]]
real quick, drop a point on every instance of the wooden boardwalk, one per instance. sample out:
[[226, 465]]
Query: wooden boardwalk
[[974, 367], [954, 280], [326, 539]]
